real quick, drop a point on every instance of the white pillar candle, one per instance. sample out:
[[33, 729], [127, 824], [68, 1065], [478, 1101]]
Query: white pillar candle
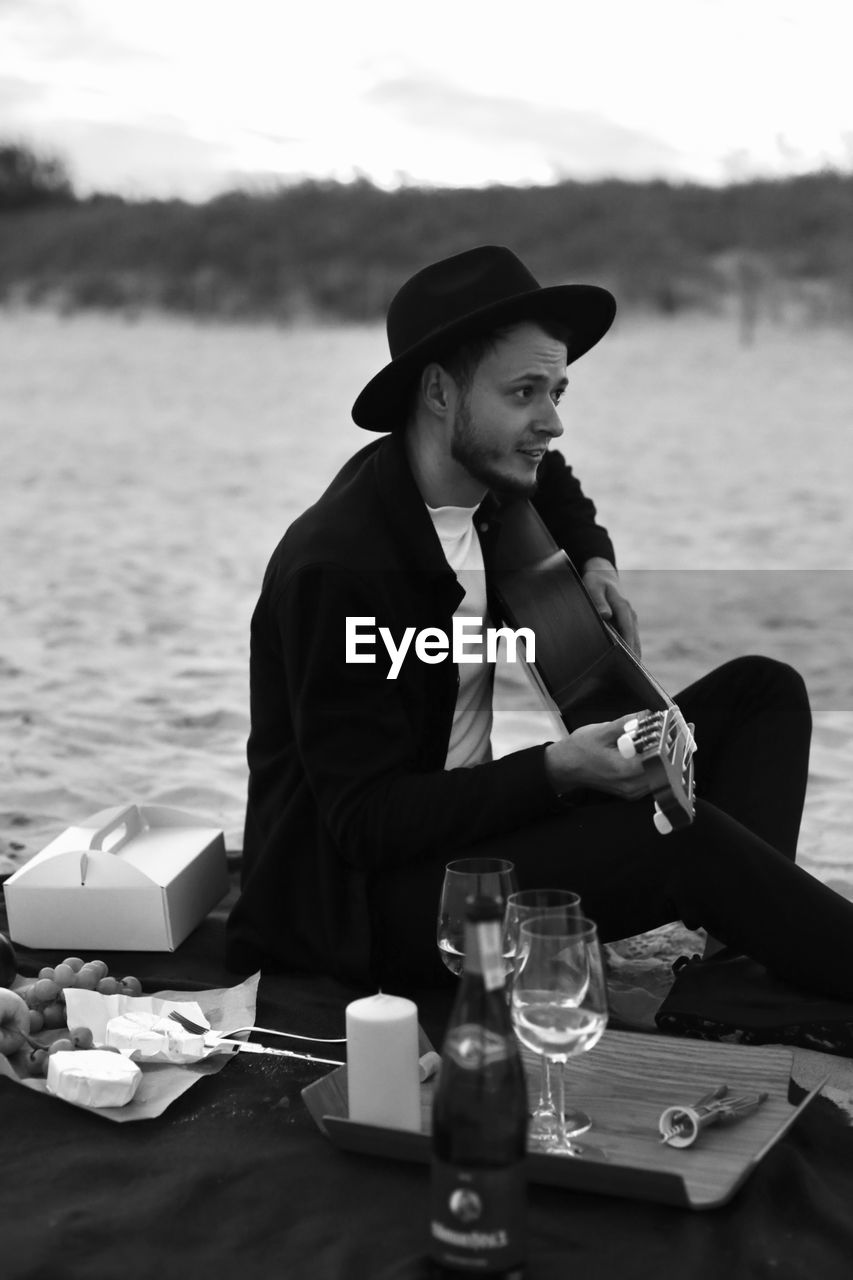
[[382, 1062]]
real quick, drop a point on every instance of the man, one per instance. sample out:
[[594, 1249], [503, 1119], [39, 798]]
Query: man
[[369, 755]]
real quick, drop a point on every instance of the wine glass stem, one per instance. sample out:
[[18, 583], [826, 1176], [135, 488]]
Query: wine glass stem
[[561, 1107], [546, 1100]]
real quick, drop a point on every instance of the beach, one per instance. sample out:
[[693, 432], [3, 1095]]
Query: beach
[[149, 465]]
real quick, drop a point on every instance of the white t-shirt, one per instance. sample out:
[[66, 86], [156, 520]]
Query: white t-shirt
[[470, 737]]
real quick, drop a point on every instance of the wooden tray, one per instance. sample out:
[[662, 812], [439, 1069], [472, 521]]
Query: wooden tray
[[624, 1083]]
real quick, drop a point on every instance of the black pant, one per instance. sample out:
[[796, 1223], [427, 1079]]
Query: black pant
[[731, 872]]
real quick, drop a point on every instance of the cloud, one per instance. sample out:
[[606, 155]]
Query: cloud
[[159, 159], [277, 139], [17, 94], [62, 31], [573, 142]]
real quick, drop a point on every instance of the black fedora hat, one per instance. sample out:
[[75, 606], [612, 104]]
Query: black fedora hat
[[460, 297]]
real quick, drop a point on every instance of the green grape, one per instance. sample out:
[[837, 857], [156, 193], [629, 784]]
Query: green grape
[[54, 1015], [101, 967], [109, 987], [37, 1062], [73, 962], [60, 1046], [132, 986], [46, 972], [88, 977], [45, 990], [82, 1038], [36, 1021], [65, 975]]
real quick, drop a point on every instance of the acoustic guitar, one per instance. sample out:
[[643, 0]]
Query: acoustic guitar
[[584, 666]]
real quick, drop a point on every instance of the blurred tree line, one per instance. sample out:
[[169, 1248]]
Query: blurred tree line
[[329, 250], [28, 180]]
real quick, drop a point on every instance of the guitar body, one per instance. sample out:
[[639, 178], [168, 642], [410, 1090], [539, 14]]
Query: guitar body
[[587, 669]]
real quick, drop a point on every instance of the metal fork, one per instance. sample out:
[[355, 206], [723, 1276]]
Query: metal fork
[[219, 1039], [189, 1025]]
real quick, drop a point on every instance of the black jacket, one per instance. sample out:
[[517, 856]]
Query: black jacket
[[346, 767]]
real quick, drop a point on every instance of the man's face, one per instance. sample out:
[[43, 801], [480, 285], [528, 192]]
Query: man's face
[[505, 421]]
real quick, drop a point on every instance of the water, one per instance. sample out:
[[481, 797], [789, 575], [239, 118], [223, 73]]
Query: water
[[149, 468], [454, 959], [558, 1030], [451, 956]]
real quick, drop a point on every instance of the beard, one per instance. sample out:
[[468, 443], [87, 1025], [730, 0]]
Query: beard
[[483, 461]]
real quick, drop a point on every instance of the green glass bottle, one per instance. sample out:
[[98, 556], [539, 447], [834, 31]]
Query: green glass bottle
[[479, 1119]]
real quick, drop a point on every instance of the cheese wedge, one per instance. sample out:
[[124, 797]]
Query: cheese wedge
[[93, 1077], [153, 1038]]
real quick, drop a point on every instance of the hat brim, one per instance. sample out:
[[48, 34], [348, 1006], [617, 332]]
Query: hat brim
[[586, 309]]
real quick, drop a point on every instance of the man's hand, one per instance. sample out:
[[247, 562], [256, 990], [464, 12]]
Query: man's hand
[[602, 582], [14, 1021], [590, 758]]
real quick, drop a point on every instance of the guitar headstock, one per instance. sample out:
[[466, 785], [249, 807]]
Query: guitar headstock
[[664, 743]]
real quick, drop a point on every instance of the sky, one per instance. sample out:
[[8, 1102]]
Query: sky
[[163, 98]]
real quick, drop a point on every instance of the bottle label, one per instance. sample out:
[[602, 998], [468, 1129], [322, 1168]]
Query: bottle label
[[477, 1218]]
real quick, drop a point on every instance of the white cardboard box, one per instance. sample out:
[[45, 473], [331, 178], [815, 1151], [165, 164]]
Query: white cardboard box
[[133, 878]]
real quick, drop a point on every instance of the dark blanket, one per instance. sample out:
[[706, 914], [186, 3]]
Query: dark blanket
[[235, 1178]]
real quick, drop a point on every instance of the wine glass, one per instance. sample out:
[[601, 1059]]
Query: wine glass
[[527, 904], [491, 877], [559, 998]]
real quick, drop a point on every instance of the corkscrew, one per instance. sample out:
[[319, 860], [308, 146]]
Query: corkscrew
[[681, 1125]]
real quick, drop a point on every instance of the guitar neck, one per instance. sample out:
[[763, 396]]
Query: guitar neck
[[666, 700], [585, 665]]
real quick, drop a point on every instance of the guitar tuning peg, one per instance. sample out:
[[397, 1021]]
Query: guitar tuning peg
[[625, 745], [661, 821]]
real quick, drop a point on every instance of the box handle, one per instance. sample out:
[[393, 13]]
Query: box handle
[[129, 818]]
